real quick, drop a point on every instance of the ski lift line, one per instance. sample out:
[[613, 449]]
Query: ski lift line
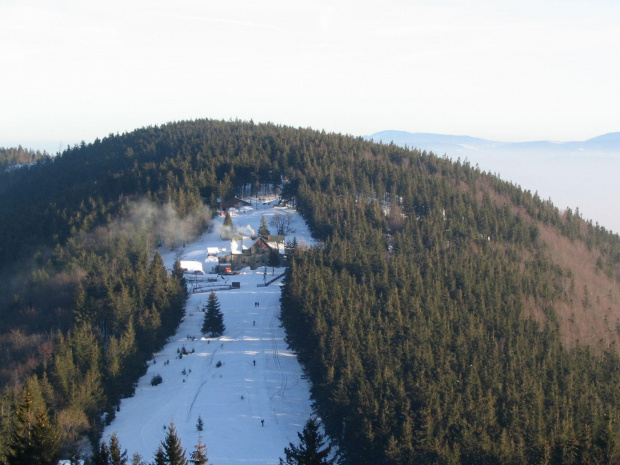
[[281, 393], [271, 281], [208, 289]]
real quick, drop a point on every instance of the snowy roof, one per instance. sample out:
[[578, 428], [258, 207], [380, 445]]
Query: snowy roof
[[191, 265], [279, 246], [213, 250], [237, 247]]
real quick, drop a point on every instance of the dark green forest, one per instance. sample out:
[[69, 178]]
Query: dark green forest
[[432, 319]]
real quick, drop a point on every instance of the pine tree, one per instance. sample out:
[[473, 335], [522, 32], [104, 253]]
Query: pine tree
[[173, 450], [101, 456], [117, 457], [136, 459], [214, 319], [263, 231], [178, 273], [157, 281], [227, 229], [34, 439], [160, 456], [199, 424], [80, 313], [149, 324], [291, 247], [311, 450], [199, 455]]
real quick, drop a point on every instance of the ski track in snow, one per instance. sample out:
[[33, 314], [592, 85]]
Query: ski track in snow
[[234, 398]]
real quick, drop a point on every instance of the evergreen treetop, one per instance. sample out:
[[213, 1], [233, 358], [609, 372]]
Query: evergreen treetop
[[227, 231], [117, 456], [213, 323], [311, 449], [199, 454], [263, 230], [34, 439], [173, 450]]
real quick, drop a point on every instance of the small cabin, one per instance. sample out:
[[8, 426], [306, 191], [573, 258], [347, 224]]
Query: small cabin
[[266, 252], [234, 203], [264, 245], [261, 246]]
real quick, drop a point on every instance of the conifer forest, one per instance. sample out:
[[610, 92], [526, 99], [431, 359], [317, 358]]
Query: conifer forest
[[447, 316]]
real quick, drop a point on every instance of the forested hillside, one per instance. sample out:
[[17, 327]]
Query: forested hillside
[[447, 317], [19, 156]]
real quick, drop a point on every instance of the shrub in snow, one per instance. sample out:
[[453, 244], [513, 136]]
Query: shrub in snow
[[155, 380]]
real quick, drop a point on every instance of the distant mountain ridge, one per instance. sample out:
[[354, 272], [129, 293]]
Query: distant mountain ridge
[[437, 142]]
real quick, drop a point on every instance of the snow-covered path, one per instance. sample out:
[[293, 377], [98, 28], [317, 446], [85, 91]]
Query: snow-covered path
[[259, 377]]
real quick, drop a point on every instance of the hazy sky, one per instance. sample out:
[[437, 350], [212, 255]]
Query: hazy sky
[[505, 70]]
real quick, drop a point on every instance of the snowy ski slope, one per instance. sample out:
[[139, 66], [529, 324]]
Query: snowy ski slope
[[259, 377]]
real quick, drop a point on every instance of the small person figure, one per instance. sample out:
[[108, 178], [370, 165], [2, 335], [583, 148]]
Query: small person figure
[[262, 422], [254, 362], [254, 323]]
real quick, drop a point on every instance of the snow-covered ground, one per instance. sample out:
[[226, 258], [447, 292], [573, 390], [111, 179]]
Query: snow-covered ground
[[259, 377]]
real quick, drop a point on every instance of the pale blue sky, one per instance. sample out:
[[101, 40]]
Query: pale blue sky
[[510, 70]]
